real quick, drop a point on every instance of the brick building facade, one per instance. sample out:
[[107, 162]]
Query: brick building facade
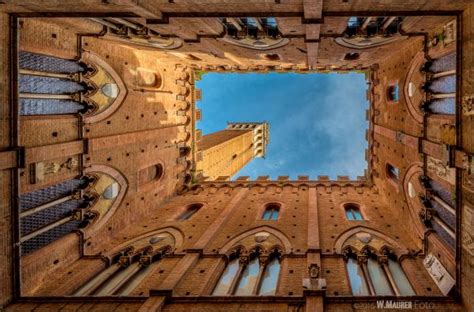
[[103, 205]]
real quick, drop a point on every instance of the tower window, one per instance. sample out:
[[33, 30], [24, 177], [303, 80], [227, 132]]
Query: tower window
[[189, 212], [392, 93], [393, 173], [271, 212], [353, 212]]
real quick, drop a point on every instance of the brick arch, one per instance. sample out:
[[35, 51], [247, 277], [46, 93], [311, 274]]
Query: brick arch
[[414, 206], [339, 244], [281, 237], [122, 181], [175, 233], [90, 57], [414, 69]]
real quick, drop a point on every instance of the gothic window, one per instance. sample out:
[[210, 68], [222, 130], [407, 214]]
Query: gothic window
[[248, 278], [392, 93], [400, 278], [393, 173], [189, 212], [123, 276], [252, 275], [48, 214], [271, 212], [351, 56], [376, 275], [225, 282], [49, 85], [255, 33], [378, 278], [353, 212], [356, 278], [149, 174]]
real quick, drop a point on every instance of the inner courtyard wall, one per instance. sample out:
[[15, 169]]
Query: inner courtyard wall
[[148, 126]]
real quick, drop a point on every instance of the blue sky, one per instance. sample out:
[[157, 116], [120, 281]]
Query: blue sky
[[317, 121]]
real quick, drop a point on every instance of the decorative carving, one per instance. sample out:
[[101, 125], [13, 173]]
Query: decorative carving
[[313, 270], [347, 252], [426, 215], [364, 237], [448, 134], [382, 259], [400, 136], [244, 258], [439, 273], [467, 104], [449, 32], [124, 261], [261, 237], [362, 259], [145, 260], [441, 170], [263, 257], [42, 169]]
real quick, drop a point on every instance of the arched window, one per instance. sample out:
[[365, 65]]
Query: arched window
[[190, 210], [353, 212], [271, 212], [123, 276], [49, 213], [403, 285], [393, 173], [149, 174], [376, 275], [356, 278], [252, 275], [392, 93], [378, 278]]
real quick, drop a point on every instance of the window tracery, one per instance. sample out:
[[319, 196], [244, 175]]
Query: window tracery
[[250, 273], [376, 273]]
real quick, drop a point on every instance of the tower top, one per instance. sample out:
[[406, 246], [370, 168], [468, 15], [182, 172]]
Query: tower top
[[261, 134]]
